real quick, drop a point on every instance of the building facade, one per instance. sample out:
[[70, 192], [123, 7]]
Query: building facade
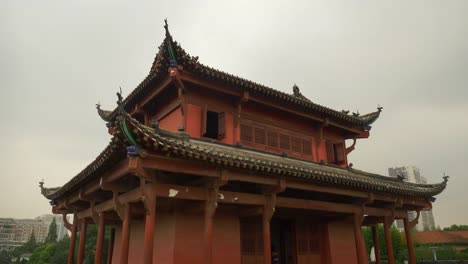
[[16, 232], [413, 174], [207, 167]]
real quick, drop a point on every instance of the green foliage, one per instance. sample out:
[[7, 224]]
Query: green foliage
[[43, 254], [57, 252], [456, 228], [399, 250], [424, 252], [52, 234], [5, 257]]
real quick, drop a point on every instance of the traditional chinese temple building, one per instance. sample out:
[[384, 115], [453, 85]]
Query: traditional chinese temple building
[[207, 167]]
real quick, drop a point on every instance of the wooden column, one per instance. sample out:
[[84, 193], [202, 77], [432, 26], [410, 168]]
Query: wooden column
[[124, 247], [71, 249], [150, 221], [375, 238], [359, 239], [100, 239], [409, 242], [210, 209], [268, 211], [110, 247], [388, 240], [81, 246]]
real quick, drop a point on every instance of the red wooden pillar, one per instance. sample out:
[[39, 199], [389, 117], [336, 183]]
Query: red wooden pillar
[[150, 221], [375, 238], [71, 249], [266, 239], [268, 211], [125, 235], [409, 242], [100, 239], [210, 209], [388, 240], [359, 239], [81, 246], [110, 248]]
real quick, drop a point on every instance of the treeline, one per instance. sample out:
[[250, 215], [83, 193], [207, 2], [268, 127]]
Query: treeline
[[53, 251], [422, 252]]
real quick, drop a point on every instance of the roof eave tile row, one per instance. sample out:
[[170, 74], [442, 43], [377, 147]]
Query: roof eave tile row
[[240, 158], [161, 64]]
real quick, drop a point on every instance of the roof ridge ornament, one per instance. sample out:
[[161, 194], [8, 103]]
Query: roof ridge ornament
[[172, 58], [445, 177], [297, 93]]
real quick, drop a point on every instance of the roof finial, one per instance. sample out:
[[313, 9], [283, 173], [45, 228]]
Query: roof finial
[[379, 108], [119, 96], [446, 177], [172, 58], [166, 27], [41, 185], [296, 90]]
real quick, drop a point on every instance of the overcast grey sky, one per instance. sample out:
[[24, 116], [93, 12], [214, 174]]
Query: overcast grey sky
[[59, 58]]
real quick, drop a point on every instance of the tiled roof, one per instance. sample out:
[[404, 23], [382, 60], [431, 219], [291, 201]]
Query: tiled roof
[[179, 144], [190, 64], [113, 153], [441, 237], [228, 156]]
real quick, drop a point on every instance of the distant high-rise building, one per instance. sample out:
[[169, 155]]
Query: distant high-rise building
[[48, 218], [16, 232], [413, 174]]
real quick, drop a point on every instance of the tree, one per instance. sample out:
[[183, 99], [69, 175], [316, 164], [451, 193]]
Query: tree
[[398, 250], [52, 234], [456, 228]]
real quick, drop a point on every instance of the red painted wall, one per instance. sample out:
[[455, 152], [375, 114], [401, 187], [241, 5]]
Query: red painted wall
[[189, 238], [179, 238], [194, 120], [163, 251], [341, 242], [172, 121]]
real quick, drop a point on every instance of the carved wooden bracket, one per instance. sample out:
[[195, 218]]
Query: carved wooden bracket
[[415, 221], [94, 214], [119, 207], [82, 196], [135, 167], [111, 186], [351, 148], [67, 224], [269, 207]]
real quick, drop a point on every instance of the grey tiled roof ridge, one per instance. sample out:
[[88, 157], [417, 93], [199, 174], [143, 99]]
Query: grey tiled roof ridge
[[225, 155], [190, 63]]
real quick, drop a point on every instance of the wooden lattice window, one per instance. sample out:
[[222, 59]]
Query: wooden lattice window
[[272, 138], [251, 241], [246, 132], [296, 144], [307, 147], [260, 137], [307, 238], [284, 141]]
